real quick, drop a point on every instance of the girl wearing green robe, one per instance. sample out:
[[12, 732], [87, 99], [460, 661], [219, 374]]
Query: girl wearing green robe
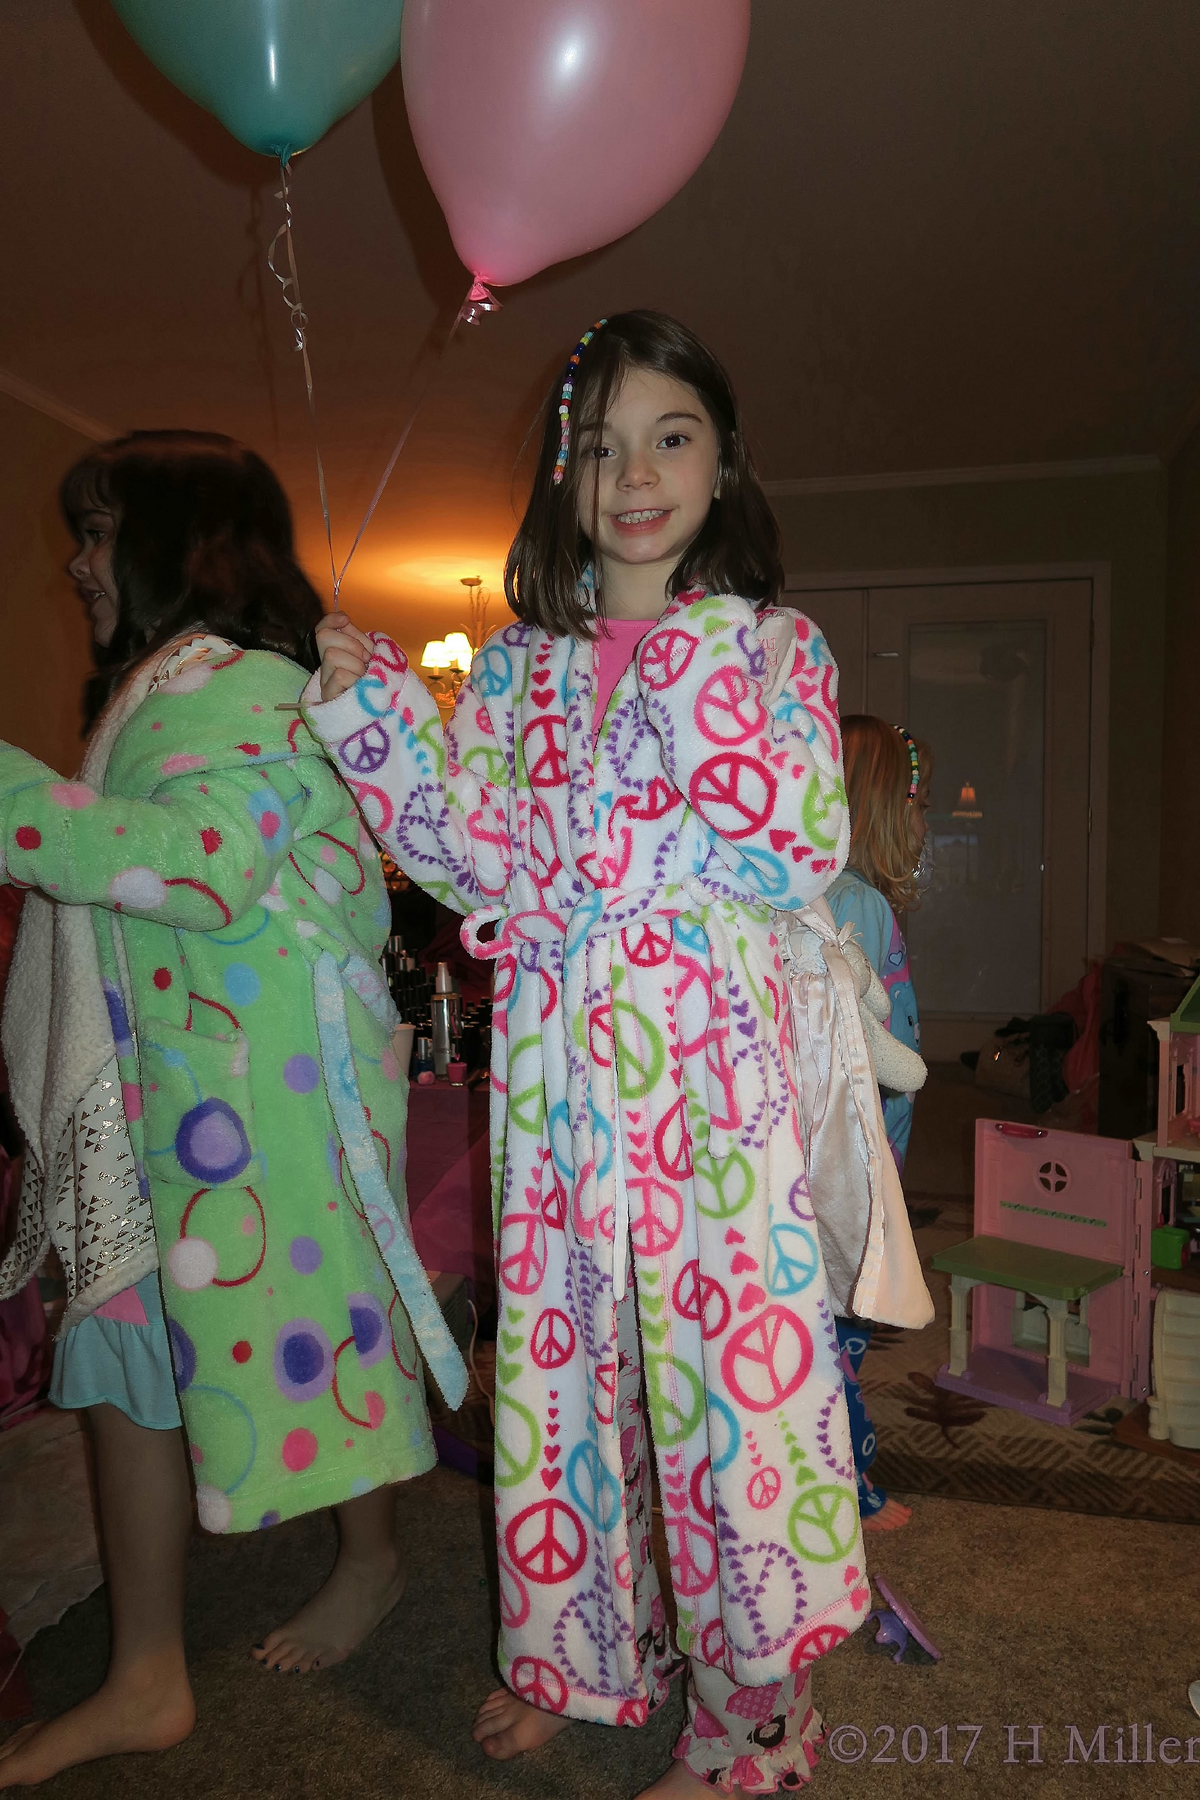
[[240, 1118]]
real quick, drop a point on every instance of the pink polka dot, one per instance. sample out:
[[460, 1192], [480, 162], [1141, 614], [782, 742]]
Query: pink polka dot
[[242, 1353], [389, 1068], [331, 1205], [131, 1099], [327, 853], [28, 837], [118, 831], [74, 794], [197, 1453], [256, 709], [249, 1225], [349, 1443], [157, 725], [162, 979], [181, 764], [299, 1450], [375, 1409], [281, 951]]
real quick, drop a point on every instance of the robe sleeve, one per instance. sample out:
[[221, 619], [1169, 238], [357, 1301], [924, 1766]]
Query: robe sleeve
[[857, 903], [435, 800], [757, 758], [196, 854]]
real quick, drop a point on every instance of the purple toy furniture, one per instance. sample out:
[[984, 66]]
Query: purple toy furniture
[[1058, 1274]]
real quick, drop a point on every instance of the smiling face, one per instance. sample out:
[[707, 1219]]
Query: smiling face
[[659, 458], [91, 569]]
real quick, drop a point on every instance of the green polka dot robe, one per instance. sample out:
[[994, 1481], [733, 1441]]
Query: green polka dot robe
[[239, 914]]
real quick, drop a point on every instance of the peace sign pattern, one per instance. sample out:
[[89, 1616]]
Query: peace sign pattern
[[653, 1049]]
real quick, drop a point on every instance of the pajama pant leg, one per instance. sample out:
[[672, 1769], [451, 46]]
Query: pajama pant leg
[[854, 1335], [650, 1619], [762, 1739]]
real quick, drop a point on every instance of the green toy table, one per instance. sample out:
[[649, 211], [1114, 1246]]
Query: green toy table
[[1052, 1277]]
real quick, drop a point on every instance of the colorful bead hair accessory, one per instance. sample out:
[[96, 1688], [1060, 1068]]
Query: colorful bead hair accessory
[[914, 762], [564, 404]]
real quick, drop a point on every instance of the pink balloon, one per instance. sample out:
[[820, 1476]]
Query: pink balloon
[[550, 127]]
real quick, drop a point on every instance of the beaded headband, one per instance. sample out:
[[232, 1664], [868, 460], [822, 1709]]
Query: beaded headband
[[914, 763], [564, 404]]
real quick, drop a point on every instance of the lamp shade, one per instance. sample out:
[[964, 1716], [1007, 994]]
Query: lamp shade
[[459, 654], [435, 655]]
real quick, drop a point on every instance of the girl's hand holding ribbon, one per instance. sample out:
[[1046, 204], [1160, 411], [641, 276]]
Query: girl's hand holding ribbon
[[345, 654]]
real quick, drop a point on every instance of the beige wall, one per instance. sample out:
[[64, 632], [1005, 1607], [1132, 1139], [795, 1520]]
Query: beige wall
[[1181, 742], [1118, 519], [46, 652]]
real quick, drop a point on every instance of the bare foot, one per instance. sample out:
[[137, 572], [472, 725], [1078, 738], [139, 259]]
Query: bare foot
[[357, 1597], [122, 1715], [680, 1781], [505, 1726], [892, 1516]]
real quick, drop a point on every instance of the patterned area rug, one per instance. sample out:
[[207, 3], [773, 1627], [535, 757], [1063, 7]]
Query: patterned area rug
[[934, 1442]]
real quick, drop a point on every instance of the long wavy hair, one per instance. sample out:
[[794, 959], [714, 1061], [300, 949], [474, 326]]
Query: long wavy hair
[[736, 550], [203, 536], [878, 775]]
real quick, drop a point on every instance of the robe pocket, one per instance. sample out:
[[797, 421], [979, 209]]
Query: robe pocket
[[199, 1117]]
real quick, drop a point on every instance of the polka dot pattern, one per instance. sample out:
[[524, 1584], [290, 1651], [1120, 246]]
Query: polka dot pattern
[[305, 1255], [303, 1360], [299, 1450], [138, 887], [301, 1074], [211, 1143], [192, 1264], [243, 985]]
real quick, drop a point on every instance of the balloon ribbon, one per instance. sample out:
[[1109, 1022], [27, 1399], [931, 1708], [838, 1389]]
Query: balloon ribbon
[[478, 301]]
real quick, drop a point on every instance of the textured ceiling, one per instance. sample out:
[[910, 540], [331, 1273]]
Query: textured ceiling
[[931, 235]]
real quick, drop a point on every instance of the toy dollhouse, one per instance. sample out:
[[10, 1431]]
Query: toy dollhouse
[[1081, 1279], [1058, 1274]]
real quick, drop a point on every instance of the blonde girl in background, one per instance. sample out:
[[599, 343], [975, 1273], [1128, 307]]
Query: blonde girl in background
[[887, 773]]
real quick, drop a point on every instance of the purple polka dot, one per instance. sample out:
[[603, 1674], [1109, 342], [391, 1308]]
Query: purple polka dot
[[183, 1355], [303, 1360], [369, 1323], [268, 1519], [211, 1143], [301, 1074], [306, 1255]]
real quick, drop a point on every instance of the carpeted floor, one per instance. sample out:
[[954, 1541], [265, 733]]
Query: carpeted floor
[[1044, 1619]]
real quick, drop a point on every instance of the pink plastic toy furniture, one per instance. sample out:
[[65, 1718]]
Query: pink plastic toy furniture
[[1179, 1076], [1059, 1274]]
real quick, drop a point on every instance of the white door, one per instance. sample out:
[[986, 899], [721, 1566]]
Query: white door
[[996, 676]]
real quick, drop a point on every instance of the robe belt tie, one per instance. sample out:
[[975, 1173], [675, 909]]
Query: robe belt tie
[[603, 913]]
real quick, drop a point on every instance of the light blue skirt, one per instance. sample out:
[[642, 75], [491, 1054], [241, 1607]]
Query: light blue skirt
[[102, 1361]]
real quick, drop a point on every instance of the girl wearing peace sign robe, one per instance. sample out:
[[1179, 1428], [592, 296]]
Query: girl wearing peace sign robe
[[636, 772]]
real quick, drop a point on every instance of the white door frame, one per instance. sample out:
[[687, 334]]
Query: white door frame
[[1100, 576]]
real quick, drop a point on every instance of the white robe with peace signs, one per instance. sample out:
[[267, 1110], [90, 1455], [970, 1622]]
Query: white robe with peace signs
[[645, 1133]]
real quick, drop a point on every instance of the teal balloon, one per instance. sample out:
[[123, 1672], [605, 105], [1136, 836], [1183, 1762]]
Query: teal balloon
[[277, 73]]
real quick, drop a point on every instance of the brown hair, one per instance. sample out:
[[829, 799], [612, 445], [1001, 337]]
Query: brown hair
[[203, 537], [736, 550], [878, 777]]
